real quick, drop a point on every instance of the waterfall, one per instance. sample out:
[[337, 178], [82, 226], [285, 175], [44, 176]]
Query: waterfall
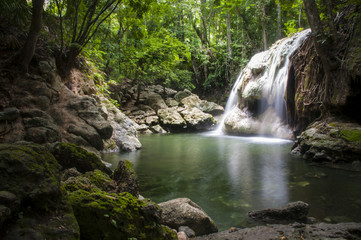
[[256, 102]]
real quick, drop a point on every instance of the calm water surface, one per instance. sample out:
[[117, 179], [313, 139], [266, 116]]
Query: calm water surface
[[229, 176]]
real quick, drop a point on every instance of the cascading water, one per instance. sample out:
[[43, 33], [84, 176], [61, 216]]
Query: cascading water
[[256, 103]]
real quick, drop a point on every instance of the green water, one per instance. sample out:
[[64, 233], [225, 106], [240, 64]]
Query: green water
[[229, 176]]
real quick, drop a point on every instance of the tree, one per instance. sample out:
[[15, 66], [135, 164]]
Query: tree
[[28, 50]]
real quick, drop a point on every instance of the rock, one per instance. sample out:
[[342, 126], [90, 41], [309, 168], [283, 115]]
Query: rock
[[191, 101], [70, 155], [183, 212], [152, 120], [182, 236], [88, 133], [157, 129], [124, 129], [124, 175], [45, 67], [58, 225], [211, 108], [9, 114], [156, 102], [102, 181], [110, 216], [328, 141], [171, 120], [295, 211], [196, 119], [182, 94], [31, 173], [291, 231], [171, 102], [190, 233], [42, 135], [94, 119], [70, 172]]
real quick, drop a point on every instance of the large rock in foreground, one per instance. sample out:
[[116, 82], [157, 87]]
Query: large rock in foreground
[[183, 212], [292, 232]]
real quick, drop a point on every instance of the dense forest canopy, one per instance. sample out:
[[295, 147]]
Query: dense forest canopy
[[194, 44]]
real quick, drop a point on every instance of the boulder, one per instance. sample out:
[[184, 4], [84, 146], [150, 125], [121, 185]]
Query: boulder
[[110, 216], [211, 108], [197, 120], [126, 179], [171, 102], [124, 129], [70, 155], [31, 173], [172, 120], [157, 129], [183, 212], [88, 133], [182, 94], [295, 211], [291, 231], [9, 114], [191, 101], [156, 102], [334, 141], [102, 181]]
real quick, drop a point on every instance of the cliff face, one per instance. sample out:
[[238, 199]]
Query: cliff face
[[333, 131]]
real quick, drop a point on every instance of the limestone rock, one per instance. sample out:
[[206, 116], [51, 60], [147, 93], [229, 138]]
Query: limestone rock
[[211, 108], [197, 120], [183, 212], [295, 211], [70, 155], [182, 94], [172, 120], [156, 101], [88, 133]]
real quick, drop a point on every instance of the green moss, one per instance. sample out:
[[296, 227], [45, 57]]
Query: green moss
[[101, 180], [351, 135], [111, 216]]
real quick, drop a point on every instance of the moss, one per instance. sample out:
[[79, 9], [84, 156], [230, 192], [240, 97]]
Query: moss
[[111, 216], [351, 135], [101, 180]]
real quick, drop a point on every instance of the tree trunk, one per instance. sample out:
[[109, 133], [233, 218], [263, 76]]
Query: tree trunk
[[264, 26], [28, 50], [229, 48], [279, 21]]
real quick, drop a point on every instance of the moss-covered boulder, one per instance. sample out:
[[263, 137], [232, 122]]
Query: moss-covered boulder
[[335, 140], [70, 155], [31, 173], [110, 216], [56, 225], [126, 178], [102, 181]]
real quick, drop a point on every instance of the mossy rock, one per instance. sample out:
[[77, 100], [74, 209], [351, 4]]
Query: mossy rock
[[73, 184], [102, 181], [126, 178], [31, 173], [70, 155], [56, 225], [110, 216], [351, 135]]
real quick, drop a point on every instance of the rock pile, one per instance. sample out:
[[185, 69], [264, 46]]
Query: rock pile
[[162, 110]]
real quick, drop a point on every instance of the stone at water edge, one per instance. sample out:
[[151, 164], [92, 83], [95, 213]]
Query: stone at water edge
[[183, 212], [126, 178], [294, 211]]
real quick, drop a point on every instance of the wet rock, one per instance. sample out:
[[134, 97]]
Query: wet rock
[[126, 179], [183, 212], [295, 211], [190, 233], [70, 155]]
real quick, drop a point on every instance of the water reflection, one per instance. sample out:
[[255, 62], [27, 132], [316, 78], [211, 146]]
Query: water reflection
[[229, 176]]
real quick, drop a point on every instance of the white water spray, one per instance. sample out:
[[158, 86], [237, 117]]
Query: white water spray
[[267, 70]]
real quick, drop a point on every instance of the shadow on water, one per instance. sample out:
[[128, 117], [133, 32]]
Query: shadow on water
[[229, 176]]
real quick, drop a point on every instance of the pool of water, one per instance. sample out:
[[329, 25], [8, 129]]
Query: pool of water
[[230, 176]]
